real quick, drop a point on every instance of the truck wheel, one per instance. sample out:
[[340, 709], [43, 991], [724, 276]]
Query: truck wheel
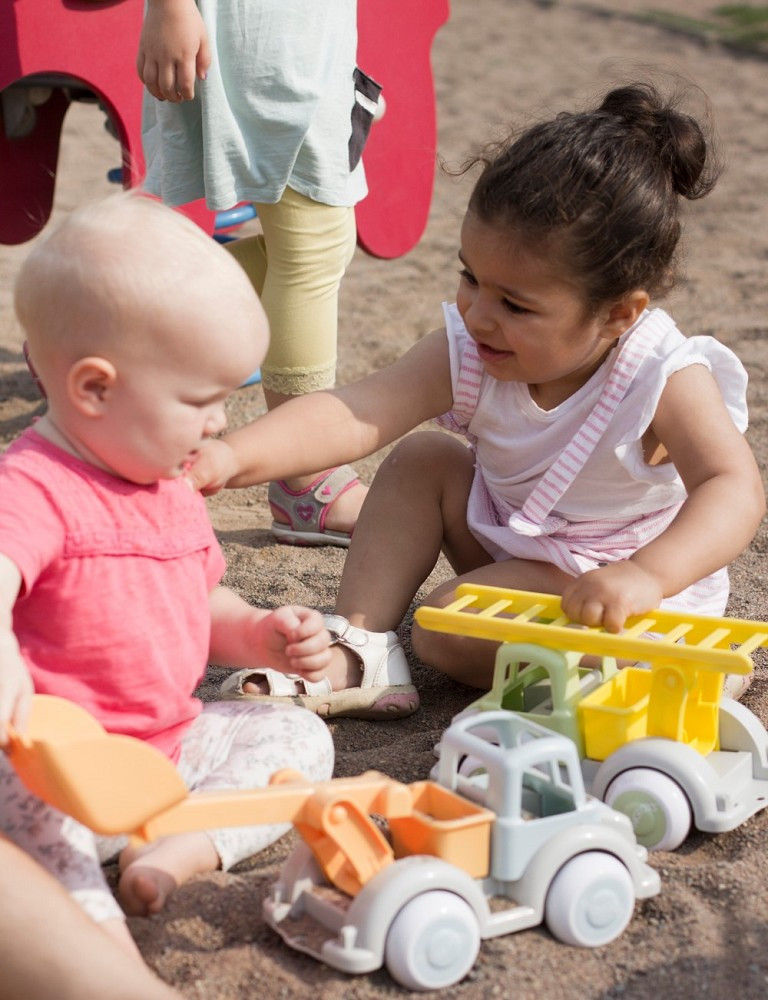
[[433, 941], [590, 901], [657, 806]]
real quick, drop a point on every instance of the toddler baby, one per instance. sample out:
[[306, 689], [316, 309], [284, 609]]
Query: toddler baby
[[138, 327]]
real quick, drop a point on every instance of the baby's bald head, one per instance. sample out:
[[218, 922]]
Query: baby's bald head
[[128, 278]]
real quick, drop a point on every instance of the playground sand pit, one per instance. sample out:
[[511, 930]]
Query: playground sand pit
[[495, 61]]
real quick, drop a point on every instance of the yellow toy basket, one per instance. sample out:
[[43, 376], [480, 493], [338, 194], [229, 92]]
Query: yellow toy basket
[[616, 713]]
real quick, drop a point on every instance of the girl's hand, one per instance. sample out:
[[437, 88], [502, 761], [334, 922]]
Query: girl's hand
[[609, 595], [173, 50], [16, 688], [214, 465], [296, 641]]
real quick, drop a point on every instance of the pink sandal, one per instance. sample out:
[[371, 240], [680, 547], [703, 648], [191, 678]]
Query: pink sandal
[[307, 509]]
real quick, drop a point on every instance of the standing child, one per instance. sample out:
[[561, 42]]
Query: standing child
[[606, 461], [262, 102], [109, 567]]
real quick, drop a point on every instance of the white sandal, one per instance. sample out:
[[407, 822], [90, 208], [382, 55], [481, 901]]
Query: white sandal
[[385, 691]]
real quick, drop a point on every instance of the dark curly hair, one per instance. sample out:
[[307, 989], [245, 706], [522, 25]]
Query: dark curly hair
[[607, 183]]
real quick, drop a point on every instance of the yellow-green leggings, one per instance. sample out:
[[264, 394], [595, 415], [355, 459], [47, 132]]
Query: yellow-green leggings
[[296, 267]]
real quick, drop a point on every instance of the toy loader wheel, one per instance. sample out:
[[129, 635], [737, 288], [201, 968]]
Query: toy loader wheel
[[590, 901], [657, 806], [432, 942]]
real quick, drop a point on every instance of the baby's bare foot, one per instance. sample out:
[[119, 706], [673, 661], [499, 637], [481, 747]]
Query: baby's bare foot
[[149, 874], [144, 890]]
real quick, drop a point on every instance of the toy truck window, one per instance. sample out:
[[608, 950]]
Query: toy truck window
[[546, 790]]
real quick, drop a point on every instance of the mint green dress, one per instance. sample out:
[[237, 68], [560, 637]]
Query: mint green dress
[[274, 111]]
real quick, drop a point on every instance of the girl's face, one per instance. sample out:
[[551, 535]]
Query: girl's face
[[529, 322]]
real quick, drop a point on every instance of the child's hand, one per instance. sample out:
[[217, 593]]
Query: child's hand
[[296, 641], [16, 688], [213, 467], [609, 595], [173, 50]]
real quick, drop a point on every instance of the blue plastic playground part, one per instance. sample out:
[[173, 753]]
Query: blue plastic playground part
[[226, 220], [234, 216]]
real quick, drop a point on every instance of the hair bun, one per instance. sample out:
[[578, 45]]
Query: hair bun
[[676, 137]]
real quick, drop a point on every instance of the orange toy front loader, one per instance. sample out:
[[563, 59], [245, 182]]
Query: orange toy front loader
[[117, 784]]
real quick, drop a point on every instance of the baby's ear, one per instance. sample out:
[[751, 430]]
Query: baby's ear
[[88, 383], [624, 313]]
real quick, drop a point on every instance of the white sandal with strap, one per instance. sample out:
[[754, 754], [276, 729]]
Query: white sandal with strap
[[385, 690]]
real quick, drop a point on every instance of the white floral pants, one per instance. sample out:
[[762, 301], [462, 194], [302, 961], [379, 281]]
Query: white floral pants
[[231, 745]]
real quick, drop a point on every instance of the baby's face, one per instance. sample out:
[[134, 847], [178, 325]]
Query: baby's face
[[161, 409]]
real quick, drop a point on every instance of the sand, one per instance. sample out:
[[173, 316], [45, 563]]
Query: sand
[[496, 61]]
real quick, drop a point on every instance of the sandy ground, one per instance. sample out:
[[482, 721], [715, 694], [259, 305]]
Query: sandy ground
[[495, 61]]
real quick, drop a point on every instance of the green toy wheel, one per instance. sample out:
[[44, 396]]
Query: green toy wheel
[[657, 806]]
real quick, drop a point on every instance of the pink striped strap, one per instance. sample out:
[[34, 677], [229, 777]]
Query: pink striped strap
[[534, 518], [466, 394]]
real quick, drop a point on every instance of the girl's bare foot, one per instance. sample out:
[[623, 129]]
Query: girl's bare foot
[[149, 874]]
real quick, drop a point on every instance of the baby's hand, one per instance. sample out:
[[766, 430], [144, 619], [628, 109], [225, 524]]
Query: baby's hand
[[214, 465], [297, 641], [609, 595], [173, 50], [16, 689]]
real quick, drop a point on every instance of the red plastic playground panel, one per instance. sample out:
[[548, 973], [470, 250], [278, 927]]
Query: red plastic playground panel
[[395, 41], [90, 46]]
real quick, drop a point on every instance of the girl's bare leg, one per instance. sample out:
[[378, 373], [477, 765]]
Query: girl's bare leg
[[416, 507], [471, 660]]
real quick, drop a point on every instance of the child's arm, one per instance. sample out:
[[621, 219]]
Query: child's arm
[[15, 683], [323, 429], [291, 638], [173, 50], [715, 524]]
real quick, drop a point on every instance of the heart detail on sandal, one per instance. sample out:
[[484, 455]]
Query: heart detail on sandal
[[299, 515], [305, 511]]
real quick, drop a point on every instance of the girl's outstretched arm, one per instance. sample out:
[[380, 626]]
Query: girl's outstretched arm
[[725, 505], [323, 429]]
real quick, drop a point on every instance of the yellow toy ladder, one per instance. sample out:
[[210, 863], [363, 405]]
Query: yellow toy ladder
[[678, 698]]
